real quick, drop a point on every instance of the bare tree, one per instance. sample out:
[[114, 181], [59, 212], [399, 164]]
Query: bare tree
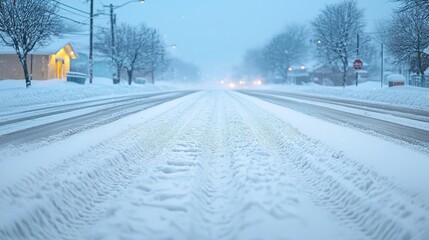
[[286, 49], [254, 63], [25, 24], [137, 48], [406, 36], [336, 28], [103, 44], [415, 4], [135, 41], [154, 55]]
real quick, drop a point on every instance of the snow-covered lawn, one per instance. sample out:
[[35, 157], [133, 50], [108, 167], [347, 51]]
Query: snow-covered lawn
[[214, 165]]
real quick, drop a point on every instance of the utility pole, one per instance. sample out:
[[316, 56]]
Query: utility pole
[[114, 52], [357, 57], [91, 42], [382, 64], [112, 28]]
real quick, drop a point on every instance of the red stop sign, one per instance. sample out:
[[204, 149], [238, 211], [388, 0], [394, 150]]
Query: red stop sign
[[358, 64]]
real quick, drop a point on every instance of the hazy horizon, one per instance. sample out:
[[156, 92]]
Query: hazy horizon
[[215, 35]]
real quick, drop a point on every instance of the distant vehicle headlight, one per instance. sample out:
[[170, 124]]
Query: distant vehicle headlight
[[257, 82]]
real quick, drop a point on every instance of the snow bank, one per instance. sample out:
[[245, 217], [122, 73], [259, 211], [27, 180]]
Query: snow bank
[[407, 96], [13, 93], [396, 77]]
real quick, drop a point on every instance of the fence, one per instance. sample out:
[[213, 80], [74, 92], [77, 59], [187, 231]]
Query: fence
[[76, 77], [418, 81]]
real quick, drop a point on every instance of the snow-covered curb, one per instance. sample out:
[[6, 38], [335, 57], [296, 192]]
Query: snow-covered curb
[[407, 96]]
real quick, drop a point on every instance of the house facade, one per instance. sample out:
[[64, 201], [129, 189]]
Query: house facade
[[49, 62], [331, 75]]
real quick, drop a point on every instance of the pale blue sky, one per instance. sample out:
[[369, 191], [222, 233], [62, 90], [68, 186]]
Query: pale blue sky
[[215, 34]]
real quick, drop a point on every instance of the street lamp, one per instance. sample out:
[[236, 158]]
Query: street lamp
[[286, 62], [115, 72], [119, 6], [173, 75]]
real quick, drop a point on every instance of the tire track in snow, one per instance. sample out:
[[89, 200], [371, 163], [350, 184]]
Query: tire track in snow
[[268, 199], [65, 200], [175, 200], [218, 182], [220, 168], [355, 194]]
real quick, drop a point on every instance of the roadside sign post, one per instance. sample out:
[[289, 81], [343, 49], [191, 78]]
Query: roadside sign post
[[357, 64]]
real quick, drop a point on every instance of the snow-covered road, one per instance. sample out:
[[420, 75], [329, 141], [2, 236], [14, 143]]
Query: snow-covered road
[[67, 119], [215, 165], [397, 123]]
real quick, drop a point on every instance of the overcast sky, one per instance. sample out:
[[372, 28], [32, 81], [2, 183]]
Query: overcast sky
[[215, 34]]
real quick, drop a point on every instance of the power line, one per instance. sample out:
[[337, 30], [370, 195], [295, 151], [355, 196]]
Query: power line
[[72, 20], [74, 13], [76, 9], [81, 23], [99, 27], [78, 34], [86, 17]]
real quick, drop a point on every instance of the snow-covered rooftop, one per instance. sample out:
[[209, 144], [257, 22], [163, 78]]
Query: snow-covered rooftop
[[55, 45]]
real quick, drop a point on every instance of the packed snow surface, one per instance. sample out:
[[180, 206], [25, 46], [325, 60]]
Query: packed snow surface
[[215, 164]]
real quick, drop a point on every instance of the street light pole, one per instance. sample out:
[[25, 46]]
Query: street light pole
[[91, 42], [286, 78], [357, 56]]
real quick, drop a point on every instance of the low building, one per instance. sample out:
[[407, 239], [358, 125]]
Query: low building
[[46, 62], [331, 75]]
